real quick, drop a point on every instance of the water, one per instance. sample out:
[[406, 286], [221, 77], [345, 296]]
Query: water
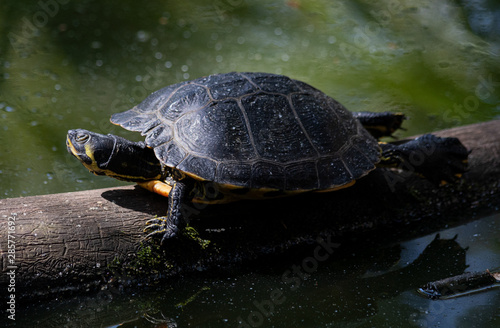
[[66, 65], [360, 285]]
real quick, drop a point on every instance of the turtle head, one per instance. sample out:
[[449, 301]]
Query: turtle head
[[114, 156]]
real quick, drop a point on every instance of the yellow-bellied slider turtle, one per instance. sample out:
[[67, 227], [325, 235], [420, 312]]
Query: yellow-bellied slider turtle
[[250, 135]]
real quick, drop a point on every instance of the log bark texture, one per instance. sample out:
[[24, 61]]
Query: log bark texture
[[69, 241]]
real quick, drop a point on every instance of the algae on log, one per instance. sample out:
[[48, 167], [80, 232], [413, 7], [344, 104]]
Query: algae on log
[[79, 240]]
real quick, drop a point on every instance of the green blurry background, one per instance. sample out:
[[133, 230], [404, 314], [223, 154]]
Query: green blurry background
[[68, 64]]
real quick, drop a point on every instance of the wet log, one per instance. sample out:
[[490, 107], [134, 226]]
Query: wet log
[[80, 240]]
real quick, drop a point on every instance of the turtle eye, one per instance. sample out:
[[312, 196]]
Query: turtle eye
[[82, 138]]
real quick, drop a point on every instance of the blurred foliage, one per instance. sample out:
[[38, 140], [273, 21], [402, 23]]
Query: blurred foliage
[[67, 64]]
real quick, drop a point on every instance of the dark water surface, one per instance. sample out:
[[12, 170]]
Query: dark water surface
[[362, 284], [71, 64]]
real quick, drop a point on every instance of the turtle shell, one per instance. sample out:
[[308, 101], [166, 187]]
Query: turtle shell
[[254, 130]]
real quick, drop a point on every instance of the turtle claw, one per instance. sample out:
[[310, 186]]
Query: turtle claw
[[154, 234], [154, 222], [160, 227], [153, 227]]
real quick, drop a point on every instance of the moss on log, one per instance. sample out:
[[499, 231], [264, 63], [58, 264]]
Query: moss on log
[[80, 240]]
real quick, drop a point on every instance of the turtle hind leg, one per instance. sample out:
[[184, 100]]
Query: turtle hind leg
[[437, 159], [169, 226], [380, 124]]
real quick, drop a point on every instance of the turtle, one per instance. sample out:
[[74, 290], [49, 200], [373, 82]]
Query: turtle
[[246, 135]]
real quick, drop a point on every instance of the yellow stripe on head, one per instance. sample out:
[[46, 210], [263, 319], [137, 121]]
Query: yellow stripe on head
[[90, 153], [114, 156]]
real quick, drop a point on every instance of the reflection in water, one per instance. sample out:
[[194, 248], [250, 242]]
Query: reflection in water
[[440, 259]]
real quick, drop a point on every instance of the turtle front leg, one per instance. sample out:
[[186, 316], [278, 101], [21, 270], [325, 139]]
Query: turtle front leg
[[170, 225]]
